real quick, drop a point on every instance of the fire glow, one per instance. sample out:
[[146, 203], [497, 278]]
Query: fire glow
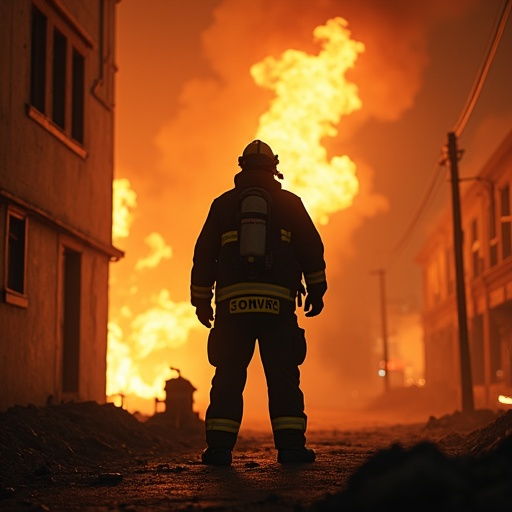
[[312, 94]]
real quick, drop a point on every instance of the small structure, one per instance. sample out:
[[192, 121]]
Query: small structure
[[179, 402]]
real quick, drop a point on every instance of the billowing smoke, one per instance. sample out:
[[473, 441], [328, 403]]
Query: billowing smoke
[[192, 157]]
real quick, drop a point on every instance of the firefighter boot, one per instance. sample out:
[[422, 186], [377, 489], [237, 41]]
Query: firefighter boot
[[291, 447], [216, 457], [220, 445], [295, 455]]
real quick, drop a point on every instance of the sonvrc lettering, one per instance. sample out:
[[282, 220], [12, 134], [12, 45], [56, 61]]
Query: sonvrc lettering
[[254, 304]]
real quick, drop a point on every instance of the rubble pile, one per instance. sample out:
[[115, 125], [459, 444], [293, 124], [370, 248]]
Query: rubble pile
[[35, 440]]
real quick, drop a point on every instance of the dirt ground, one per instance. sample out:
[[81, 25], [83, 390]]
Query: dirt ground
[[91, 457]]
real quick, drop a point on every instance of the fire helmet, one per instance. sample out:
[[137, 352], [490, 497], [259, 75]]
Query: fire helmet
[[258, 155]]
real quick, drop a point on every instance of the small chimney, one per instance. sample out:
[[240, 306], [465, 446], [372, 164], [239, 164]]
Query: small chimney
[[179, 401]]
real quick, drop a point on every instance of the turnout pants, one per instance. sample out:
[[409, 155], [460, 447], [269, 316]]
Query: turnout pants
[[282, 347]]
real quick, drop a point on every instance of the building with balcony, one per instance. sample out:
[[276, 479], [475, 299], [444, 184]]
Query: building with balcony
[[486, 200], [57, 73]]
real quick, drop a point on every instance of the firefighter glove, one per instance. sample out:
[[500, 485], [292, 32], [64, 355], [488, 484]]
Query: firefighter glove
[[313, 305], [204, 313], [314, 299]]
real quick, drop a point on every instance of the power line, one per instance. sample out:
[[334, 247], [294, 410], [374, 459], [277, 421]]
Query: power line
[[484, 69], [459, 127], [422, 208]]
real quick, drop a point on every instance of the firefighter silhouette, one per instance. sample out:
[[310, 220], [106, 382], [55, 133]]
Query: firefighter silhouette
[[257, 253]]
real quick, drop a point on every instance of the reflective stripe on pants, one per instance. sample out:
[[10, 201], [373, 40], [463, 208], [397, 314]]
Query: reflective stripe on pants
[[289, 422], [223, 425]]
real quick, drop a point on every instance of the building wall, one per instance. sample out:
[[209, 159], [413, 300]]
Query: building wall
[[56, 179], [487, 230]]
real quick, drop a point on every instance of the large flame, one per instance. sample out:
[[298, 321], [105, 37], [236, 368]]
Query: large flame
[[311, 96], [165, 324], [124, 202]]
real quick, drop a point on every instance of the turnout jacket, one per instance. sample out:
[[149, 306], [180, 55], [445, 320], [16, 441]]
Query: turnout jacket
[[296, 251]]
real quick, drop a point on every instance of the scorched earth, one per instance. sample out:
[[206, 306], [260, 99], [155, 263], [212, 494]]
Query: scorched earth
[[92, 457]]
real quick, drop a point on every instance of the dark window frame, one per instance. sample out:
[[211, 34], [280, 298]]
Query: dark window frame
[[476, 262], [59, 79], [15, 272], [38, 61], [57, 98], [505, 222], [493, 236]]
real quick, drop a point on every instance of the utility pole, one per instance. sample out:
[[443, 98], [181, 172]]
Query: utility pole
[[381, 273], [465, 365]]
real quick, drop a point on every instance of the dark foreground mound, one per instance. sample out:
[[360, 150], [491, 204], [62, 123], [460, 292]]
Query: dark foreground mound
[[424, 478]]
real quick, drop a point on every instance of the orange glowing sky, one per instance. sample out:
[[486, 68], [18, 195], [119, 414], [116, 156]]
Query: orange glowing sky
[[186, 107]]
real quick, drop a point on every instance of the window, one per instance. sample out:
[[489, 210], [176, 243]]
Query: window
[[59, 79], [16, 262], [475, 249], [57, 75], [477, 350], [38, 61], [493, 238], [506, 222], [436, 273], [495, 355], [78, 91]]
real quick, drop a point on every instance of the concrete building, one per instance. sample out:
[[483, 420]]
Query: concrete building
[[57, 72], [487, 254]]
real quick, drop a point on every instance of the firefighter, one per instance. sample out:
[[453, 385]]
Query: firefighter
[[259, 251]]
